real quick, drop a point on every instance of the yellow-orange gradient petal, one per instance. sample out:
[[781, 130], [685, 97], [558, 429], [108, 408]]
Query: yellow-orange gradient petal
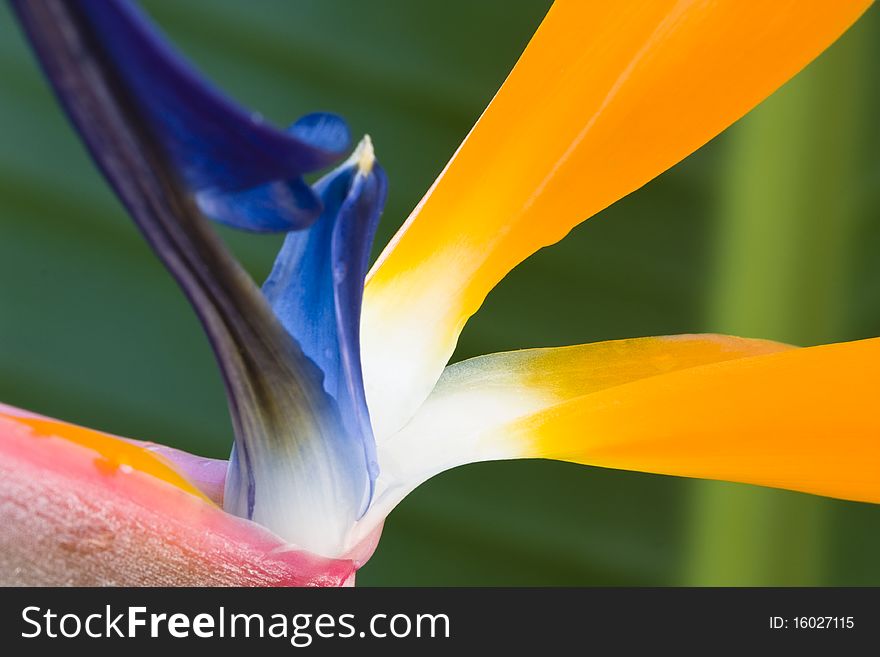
[[606, 96], [464, 419], [804, 419]]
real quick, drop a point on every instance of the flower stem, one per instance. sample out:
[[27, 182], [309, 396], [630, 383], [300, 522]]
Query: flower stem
[[786, 229]]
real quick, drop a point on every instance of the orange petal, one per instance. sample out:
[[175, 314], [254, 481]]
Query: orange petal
[[803, 419], [467, 415], [606, 96], [79, 507]]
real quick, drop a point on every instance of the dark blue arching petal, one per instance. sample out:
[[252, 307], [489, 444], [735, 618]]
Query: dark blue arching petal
[[274, 207], [270, 207], [215, 145], [323, 131], [316, 286]]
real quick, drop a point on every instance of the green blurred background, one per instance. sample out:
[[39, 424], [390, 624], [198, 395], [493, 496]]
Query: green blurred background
[[769, 231]]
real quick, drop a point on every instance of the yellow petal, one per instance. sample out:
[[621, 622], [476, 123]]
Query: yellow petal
[[606, 96], [466, 417], [804, 419]]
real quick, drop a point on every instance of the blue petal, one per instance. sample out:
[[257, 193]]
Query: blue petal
[[217, 147], [289, 433], [271, 207], [316, 287], [276, 207]]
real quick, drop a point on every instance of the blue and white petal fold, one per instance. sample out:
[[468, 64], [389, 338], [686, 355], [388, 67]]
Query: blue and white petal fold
[[316, 286], [315, 475]]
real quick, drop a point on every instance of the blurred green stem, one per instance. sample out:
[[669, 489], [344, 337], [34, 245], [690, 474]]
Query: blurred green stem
[[786, 226]]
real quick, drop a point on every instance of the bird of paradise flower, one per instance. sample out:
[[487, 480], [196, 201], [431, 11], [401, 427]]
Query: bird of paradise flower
[[342, 404]]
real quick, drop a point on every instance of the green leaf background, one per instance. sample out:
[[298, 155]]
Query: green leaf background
[[770, 231]]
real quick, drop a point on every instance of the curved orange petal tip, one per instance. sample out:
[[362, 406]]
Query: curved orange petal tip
[[606, 96], [801, 419], [467, 417], [78, 507]]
